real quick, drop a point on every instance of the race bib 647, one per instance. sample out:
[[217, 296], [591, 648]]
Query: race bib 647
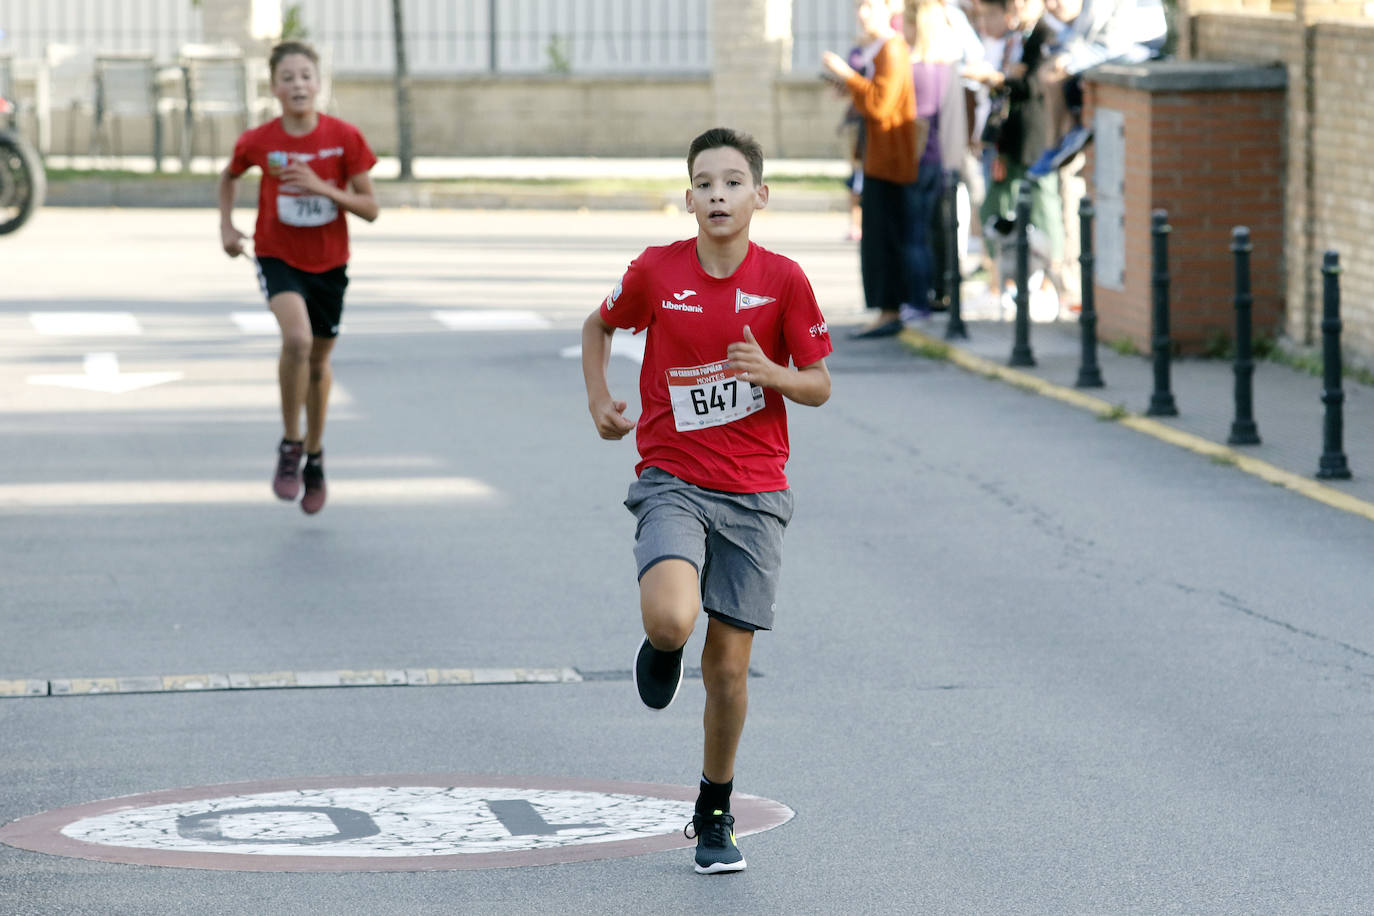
[[710, 395]]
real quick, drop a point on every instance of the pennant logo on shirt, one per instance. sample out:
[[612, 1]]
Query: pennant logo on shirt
[[745, 300]]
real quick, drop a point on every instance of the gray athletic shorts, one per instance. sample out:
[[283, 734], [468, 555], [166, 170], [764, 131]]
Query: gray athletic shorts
[[733, 539]]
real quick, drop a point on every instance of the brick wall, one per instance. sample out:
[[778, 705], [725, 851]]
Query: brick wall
[[1329, 183], [1266, 38], [1343, 172]]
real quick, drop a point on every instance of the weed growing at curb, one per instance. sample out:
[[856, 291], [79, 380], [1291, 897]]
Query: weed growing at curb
[[932, 350], [1312, 364], [1224, 460], [1123, 346], [1117, 412]]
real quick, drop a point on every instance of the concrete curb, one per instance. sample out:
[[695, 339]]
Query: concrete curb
[[1221, 454]]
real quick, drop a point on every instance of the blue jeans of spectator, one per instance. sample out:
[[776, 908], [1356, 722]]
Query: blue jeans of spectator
[[926, 198]]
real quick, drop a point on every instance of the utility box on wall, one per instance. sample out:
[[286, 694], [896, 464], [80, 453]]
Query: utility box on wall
[[1204, 141]]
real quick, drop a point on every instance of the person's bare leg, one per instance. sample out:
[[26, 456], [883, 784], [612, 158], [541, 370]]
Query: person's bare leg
[[669, 601], [293, 366], [321, 379], [725, 671]]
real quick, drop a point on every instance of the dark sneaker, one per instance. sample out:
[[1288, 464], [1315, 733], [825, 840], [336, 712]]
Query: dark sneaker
[[658, 675], [717, 851], [286, 483], [313, 474]]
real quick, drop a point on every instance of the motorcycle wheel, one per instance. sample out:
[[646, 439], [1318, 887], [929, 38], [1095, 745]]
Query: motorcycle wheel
[[23, 182]]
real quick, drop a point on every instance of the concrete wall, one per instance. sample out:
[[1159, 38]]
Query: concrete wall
[[543, 116], [568, 116], [518, 116]]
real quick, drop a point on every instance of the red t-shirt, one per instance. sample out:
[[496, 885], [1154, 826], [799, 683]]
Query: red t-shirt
[[309, 232], [698, 422]]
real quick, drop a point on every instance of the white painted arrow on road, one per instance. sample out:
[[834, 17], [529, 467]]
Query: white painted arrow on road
[[102, 374]]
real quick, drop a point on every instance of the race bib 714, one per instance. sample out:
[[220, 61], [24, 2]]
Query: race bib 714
[[306, 210], [710, 395]]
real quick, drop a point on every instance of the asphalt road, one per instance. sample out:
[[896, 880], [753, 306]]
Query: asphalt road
[[1026, 662]]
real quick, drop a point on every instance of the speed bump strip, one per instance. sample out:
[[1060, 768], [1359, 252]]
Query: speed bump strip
[[1161, 431], [23, 688], [287, 680]]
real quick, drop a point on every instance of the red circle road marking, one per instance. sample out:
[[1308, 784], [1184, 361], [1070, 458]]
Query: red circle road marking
[[654, 809]]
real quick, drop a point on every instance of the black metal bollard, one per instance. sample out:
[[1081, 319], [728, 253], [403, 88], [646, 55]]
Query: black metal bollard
[[1333, 464], [1162, 399], [1243, 428], [1089, 374], [1021, 354], [953, 275]]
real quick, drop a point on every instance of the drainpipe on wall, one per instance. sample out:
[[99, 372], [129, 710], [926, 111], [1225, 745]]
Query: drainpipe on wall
[[1309, 175]]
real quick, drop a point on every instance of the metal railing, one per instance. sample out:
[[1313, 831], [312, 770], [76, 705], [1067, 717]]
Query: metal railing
[[631, 37], [517, 36]]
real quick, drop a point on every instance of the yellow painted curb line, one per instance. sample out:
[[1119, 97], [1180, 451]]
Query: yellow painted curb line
[[930, 346]]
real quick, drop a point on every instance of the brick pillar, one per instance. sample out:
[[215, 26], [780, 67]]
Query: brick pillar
[[253, 25], [1197, 139], [751, 42]]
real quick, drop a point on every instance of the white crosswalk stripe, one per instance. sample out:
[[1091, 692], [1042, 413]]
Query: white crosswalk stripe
[[85, 324], [491, 320]]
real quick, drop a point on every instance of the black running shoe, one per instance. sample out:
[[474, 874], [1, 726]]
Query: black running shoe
[[658, 675], [286, 482], [717, 851]]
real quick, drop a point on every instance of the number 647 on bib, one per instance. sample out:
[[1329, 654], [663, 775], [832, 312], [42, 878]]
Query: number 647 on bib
[[710, 395]]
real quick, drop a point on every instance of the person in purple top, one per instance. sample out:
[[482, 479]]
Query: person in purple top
[[935, 53]]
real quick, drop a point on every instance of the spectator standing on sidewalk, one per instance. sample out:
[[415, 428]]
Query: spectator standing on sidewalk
[[314, 172], [887, 102], [935, 53], [1019, 134], [1095, 32]]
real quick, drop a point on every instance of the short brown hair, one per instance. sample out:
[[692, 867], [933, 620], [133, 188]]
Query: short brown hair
[[718, 137], [287, 48]]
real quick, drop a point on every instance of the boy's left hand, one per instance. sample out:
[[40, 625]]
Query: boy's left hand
[[301, 177], [748, 359]]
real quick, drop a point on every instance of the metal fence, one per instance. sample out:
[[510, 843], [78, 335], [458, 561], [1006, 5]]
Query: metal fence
[[158, 27], [442, 36], [517, 36]]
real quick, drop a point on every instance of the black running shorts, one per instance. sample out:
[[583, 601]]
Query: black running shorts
[[323, 292]]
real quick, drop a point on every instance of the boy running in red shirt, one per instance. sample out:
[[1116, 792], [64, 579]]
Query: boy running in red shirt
[[733, 330], [314, 170]]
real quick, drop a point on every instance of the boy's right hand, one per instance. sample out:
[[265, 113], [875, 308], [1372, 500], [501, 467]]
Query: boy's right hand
[[232, 240], [609, 417]]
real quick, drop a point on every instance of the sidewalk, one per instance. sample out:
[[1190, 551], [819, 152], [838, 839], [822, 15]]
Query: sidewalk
[[439, 182], [1288, 409]]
